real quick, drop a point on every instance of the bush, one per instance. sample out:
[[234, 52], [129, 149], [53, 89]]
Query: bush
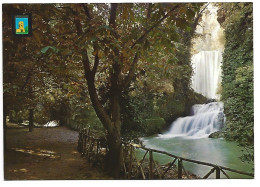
[[237, 80], [154, 125]]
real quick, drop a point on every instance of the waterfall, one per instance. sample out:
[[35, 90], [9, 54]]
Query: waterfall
[[207, 57], [207, 73], [206, 61], [205, 119]]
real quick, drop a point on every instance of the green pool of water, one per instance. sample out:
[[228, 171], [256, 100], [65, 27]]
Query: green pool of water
[[216, 151]]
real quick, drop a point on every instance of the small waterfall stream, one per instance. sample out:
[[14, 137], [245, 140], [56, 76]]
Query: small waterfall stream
[[206, 119]]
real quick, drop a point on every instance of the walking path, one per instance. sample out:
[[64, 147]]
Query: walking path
[[46, 153]]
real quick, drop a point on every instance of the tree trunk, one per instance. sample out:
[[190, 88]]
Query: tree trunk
[[5, 127], [114, 155], [113, 126], [114, 135], [30, 120]]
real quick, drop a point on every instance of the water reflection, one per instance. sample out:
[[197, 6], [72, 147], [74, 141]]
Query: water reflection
[[215, 151]]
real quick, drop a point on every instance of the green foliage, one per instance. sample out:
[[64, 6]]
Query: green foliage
[[135, 110], [64, 34], [151, 112], [154, 125], [85, 118], [248, 155], [18, 117], [161, 89], [237, 84], [45, 49]]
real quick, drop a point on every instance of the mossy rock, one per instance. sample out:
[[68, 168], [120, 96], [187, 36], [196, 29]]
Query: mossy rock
[[218, 134]]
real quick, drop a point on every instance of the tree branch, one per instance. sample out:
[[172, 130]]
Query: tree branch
[[87, 11], [77, 24], [96, 62], [86, 64], [28, 77], [140, 39], [95, 45], [204, 8], [128, 78], [130, 75], [90, 77], [149, 10], [112, 19], [196, 20]]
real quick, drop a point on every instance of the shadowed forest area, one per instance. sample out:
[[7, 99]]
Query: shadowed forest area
[[86, 85]]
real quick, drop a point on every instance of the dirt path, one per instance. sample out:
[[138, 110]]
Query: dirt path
[[46, 153]]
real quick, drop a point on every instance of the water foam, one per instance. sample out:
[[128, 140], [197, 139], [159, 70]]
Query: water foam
[[206, 119]]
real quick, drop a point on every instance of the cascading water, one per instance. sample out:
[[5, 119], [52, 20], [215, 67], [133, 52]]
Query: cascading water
[[206, 119], [187, 135], [206, 61], [207, 73]]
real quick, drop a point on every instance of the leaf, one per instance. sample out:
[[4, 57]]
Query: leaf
[[188, 28], [45, 49], [180, 22], [105, 27], [190, 14]]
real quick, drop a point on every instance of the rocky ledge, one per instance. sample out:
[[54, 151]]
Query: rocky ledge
[[218, 134]]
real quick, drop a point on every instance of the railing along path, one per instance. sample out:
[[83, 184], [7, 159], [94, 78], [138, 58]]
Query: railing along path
[[95, 149]]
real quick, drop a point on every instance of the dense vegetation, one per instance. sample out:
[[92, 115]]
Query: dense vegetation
[[134, 57], [122, 69], [237, 84]]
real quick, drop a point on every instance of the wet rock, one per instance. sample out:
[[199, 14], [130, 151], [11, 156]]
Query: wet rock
[[218, 134], [211, 101]]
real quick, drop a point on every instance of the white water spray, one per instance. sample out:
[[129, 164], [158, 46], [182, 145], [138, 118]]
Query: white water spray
[[207, 73], [206, 119], [207, 57], [206, 62]]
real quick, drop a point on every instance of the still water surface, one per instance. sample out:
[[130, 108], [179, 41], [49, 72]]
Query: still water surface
[[216, 151]]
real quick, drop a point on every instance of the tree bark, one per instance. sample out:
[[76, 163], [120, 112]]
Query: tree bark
[[30, 120], [114, 137], [5, 127], [114, 155]]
